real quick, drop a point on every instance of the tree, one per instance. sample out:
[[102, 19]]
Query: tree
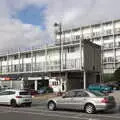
[[107, 77], [116, 75]]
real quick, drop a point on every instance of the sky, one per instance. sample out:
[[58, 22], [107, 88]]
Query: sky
[[30, 23]]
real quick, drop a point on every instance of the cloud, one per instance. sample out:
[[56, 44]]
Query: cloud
[[72, 13]]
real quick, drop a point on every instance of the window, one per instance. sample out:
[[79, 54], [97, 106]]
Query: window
[[28, 67], [15, 57], [70, 94], [4, 58], [24, 93], [81, 94], [27, 55], [77, 37], [96, 93], [4, 93], [71, 49], [11, 92]]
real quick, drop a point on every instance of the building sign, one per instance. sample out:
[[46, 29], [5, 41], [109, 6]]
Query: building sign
[[5, 78], [34, 78]]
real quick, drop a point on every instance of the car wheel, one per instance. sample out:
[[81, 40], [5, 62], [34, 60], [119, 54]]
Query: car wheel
[[51, 106], [13, 103], [90, 109], [28, 104]]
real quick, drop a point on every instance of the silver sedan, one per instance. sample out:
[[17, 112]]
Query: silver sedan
[[90, 101]]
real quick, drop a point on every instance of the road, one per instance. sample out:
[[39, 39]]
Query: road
[[38, 111]]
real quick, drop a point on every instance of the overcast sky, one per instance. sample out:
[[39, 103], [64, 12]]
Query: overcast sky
[[29, 23]]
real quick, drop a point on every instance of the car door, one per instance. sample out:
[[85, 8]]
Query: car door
[[4, 97], [66, 101], [79, 100]]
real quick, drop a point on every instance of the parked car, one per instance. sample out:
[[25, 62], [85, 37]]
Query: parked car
[[81, 99], [100, 87], [45, 89], [32, 92], [113, 85], [15, 97]]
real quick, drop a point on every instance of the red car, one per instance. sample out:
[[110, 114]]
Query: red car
[[32, 92]]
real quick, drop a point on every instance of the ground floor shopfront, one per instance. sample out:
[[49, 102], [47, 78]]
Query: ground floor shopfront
[[58, 81]]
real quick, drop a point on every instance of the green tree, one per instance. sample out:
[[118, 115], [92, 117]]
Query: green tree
[[107, 77], [116, 75]]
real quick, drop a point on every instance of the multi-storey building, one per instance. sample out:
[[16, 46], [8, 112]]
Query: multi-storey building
[[105, 34], [75, 65]]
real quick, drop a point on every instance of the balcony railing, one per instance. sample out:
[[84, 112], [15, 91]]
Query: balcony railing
[[72, 64]]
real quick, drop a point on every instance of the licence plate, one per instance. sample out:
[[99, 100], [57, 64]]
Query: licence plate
[[26, 100]]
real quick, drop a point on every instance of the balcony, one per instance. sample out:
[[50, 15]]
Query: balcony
[[72, 64]]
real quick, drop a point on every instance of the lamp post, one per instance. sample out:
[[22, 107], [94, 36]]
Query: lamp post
[[60, 33]]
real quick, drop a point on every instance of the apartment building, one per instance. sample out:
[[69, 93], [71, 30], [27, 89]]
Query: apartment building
[[105, 34], [74, 65]]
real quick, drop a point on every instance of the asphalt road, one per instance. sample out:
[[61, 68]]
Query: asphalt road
[[38, 111]]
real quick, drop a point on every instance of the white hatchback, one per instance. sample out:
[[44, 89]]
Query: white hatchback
[[15, 97]]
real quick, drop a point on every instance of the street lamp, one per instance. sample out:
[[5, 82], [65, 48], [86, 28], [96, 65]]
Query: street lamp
[[60, 33]]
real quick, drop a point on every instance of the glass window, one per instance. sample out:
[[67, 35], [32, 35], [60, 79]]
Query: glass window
[[24, 93], [96, 93], [4, 93], [11, 92], [81, 94], [70, 94]]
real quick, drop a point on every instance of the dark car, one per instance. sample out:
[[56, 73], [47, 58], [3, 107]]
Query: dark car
[[114, 85], [45, 89], [100, 87], [32, 92]]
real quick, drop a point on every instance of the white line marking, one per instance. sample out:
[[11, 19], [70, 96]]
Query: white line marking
[[4, 112], [48, 115]]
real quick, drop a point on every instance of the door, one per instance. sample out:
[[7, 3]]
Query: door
[[4, 97], [66, 101], [80, 99]]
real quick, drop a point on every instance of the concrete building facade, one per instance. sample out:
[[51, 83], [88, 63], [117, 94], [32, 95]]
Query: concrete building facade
[[106, 34], [77, 65]]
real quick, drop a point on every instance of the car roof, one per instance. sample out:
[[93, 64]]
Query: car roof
[[74, 90], [17, 90]]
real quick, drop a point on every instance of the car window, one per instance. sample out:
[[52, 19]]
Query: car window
[[24, 93], [81, 94], [4, 93], [96, 93], [11, 92], [70, 94]]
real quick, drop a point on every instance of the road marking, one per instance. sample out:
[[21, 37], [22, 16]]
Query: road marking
[[76, 115], [4, 112], [63, 116]]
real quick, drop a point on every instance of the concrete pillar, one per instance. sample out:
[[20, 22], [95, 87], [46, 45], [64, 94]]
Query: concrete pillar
[[36, 85], [22, 82], [11, 83], [66, 81], [84, 78], [1, 83]]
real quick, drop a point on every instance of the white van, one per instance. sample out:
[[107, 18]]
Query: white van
[[55, 84]]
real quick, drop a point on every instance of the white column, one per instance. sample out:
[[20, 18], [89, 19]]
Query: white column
[[22, 87], [35, 84], [84, 78], [11, 83]]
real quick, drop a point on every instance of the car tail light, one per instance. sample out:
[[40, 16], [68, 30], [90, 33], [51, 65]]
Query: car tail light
[[18, 96], [104, 100]]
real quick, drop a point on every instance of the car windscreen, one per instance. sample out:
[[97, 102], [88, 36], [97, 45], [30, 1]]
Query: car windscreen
[[24, 93], [98, 94]]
